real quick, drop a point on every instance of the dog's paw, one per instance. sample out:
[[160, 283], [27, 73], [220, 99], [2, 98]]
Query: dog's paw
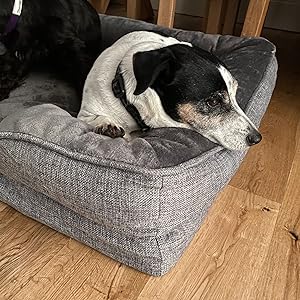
[[110, 130]]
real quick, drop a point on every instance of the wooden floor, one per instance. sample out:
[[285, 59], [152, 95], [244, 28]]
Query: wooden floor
[[247, 248]]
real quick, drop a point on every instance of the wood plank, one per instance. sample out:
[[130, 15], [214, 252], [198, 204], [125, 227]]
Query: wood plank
[[139, 9], [38, 260], [98, 283], [255, 17], [225, 258], [91, 278], [128, 284], [100, 5], [282, 264], [7, 216], [230, 18], [55, 273], [166, 13], [267, 165], [3, 206], [214, 16], [147, 13], [134, 8], [26, 246], [78, 272]]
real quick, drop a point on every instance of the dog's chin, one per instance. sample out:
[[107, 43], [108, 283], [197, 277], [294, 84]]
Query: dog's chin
[[229, 142], [235, 147]]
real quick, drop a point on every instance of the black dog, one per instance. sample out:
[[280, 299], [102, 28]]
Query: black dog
[[65, 33]]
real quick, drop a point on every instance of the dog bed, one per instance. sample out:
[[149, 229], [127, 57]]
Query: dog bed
[[139, 202]]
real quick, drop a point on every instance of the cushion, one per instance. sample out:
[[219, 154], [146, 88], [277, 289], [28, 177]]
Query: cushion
[[139, 202]]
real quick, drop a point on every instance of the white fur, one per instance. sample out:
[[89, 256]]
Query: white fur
[[100, 106], [232, 131]]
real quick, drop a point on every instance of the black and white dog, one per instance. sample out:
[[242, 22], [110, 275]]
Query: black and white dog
[[148, 80], [66, 33]]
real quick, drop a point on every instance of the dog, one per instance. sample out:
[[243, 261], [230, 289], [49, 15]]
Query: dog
[[64, 33], [146, 80]]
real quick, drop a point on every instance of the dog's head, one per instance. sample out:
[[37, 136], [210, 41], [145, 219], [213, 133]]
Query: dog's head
[[195, 88]]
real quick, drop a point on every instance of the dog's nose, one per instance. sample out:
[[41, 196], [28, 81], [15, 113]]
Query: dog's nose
[[253, 138]]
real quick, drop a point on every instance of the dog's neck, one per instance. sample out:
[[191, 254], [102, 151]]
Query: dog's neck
[[118, 87]]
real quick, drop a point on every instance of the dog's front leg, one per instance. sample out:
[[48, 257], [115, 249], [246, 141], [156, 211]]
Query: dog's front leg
[[110, 130]]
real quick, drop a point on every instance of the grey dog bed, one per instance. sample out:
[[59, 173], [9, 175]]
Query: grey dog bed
[[139, 202]]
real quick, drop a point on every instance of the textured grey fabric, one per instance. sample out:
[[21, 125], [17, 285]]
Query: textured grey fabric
[[139, 202]]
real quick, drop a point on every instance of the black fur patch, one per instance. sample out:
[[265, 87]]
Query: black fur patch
[[65, 33]]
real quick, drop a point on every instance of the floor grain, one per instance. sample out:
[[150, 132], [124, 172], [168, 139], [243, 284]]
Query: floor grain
[[266, 170], [228, 251], [281, 279], [25, 247]]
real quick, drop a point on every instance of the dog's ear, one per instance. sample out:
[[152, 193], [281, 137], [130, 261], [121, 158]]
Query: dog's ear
[[148, 65]]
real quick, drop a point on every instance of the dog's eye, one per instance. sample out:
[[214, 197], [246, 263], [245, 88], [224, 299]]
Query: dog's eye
[[213, 102]]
